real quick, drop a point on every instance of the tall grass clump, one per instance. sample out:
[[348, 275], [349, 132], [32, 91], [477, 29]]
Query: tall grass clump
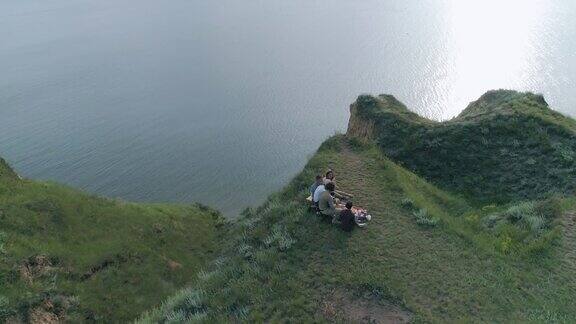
[[423, 218], [421, 215], [532, 216], [525, 227], [407, 203]]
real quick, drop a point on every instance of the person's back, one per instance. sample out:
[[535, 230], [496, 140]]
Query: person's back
[[326, 203], [315, 185], [319, 190], [347, 218]]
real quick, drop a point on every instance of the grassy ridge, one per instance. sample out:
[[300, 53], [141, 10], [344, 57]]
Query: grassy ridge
[[284, 264], [506, 146], [66, 255]]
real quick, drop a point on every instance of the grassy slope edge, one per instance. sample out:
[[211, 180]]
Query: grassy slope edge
[[69, 256], [284, 264]]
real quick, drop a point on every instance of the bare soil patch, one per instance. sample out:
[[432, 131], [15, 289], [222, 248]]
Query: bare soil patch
[[35, 267]]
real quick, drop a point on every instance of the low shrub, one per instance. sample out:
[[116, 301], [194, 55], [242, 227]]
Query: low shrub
[[519, 212]]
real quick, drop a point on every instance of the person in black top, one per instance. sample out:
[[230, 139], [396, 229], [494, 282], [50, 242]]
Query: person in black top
[[347, 218]]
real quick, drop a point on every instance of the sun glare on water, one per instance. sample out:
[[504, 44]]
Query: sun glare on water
[[491, 44]]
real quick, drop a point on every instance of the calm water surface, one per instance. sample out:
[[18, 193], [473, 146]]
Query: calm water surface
[[222, 102]]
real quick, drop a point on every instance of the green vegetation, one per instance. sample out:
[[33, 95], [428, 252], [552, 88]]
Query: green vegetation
[[422, 218], [285, 264], [506, 146], [6, 173], [66, 255], [490, 238]]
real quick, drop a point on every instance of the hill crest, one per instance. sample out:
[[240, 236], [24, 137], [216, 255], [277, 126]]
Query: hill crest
[[507, 145]]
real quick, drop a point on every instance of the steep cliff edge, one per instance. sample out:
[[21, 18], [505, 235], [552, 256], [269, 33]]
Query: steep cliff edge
[[359, 127], [6, 171], [505, 146], [369, 116]]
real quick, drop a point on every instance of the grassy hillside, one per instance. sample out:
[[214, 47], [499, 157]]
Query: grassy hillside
[[506, 146], [427, 256], [473, 221], [69, 256]]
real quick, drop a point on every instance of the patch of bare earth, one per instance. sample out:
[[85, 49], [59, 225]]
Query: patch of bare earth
[[34, 267], [114, 261], [44, 313], [51, 310], [341, 306], [41, 316]]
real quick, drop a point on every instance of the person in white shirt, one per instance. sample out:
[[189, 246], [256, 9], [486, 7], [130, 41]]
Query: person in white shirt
[[319, 190]]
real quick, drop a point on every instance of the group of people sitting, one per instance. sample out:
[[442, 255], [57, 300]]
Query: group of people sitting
[[326, 201]]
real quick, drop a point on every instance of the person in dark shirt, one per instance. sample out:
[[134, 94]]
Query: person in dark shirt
[[329, 176], [347, 218]]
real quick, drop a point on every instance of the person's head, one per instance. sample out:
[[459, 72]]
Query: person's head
[[319, 179], [349, 205], [330, 174], [330, 186]]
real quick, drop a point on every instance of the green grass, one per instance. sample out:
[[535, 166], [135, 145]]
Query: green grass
[[506, 146], [472, 221], [83, 258], [284, 264]]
